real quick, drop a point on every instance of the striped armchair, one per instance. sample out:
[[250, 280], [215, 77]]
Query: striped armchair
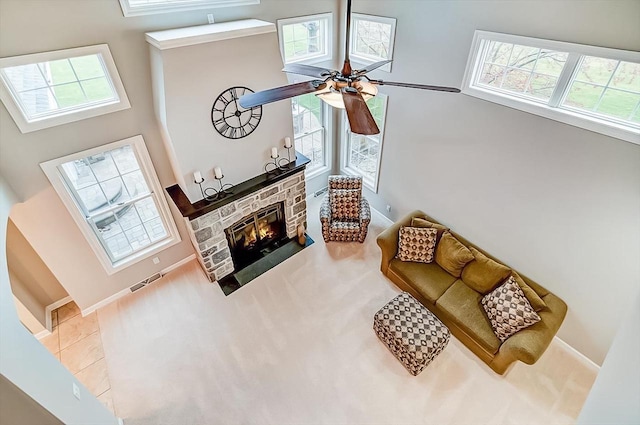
[[345, 213]]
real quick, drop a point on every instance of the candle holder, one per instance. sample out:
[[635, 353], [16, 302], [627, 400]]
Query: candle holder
[[272, 165], [212, 194], [288, 158]]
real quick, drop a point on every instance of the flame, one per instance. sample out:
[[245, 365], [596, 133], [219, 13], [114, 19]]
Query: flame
[[265, 231]]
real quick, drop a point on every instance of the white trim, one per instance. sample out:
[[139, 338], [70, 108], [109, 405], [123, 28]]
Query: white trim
[[9, 98], [127, 291], [368, 60], [190, 36], [575, 118], [42, 334], [588, 362], [182, 6], [48, 309], [52, 172], [327, 55]]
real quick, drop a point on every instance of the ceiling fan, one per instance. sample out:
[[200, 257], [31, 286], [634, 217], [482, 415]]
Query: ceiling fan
[[347, 88]]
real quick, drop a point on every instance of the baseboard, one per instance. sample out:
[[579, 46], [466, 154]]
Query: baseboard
[[578, 354], [384, 217], [43, 333], [127, 291], [120, 421], [47, 313]]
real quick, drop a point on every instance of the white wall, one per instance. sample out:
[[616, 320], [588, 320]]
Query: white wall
[[27, 364], [615, 396], [43, 25], [558, 203]]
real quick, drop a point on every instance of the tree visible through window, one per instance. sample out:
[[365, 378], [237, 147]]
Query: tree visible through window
[[305, 38], [372, 39], [309, 129]]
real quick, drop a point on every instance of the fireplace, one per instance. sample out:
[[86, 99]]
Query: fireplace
[[256, 234]]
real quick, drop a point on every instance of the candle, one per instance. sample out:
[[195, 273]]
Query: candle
[[197, 177], [218, 172], [287, 142], [274, 153]]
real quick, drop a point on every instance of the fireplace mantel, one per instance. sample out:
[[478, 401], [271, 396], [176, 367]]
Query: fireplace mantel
[[202, 207]]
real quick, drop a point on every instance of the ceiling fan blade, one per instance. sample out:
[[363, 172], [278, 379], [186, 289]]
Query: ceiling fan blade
[[280, 93], [360, 119], [374, 66], [308, 70], [415, 86]]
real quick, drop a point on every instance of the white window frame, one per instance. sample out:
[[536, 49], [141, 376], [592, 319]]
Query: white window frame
[[169, 6], [371, 184], [323, 57], [366, 59], [9, 98], [51, 170], [328, 147], [574, 117]]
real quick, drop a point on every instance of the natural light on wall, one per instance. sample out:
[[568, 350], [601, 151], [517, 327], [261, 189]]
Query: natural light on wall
[[590, 87], [53, 88], [148, 7]]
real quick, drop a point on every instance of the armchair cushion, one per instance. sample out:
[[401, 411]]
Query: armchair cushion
[[345, 204]]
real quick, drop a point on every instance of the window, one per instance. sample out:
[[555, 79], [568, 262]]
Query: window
[[306, 39], [310, 126], [147, 7], [114, 196], [48, 89], [362, 154], [372, 39], [590, 87]]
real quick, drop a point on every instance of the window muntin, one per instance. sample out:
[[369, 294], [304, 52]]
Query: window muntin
[[309, 121], [115, 198], [363, 153], [372, 39], [147, 7], [305, 39], [589, 87], [605, 87], [47, 89]]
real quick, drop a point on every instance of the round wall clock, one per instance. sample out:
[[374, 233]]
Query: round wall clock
[[232, 120]]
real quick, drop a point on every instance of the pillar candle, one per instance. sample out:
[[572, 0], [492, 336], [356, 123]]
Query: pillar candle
[[287, 142], [218, 172], [197, 177], [274, 153]]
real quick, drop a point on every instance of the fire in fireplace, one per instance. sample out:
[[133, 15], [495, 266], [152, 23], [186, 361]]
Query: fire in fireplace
[[250, 237]]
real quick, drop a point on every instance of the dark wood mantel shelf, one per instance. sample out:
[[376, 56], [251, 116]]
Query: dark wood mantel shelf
[[202, 207]]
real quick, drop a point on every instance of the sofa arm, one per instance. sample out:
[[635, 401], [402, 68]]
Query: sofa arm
[[529, 344], [388, 239]]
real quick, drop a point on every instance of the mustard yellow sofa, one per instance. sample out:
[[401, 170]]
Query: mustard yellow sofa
[[458, 306]]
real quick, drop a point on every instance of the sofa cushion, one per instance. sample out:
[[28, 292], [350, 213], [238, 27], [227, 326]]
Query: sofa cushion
[[536, 302], [430, 280], [461, 305], [416, 244], [483, 274], [423, 222], [508, 309], [451, 255], [345, 204]]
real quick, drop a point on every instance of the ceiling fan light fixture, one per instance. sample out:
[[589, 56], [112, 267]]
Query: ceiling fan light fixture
[[333, 97]]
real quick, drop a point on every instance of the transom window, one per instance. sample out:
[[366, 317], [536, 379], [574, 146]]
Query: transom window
[[147, 7], [363, 153], [306, 39], [372, 39], [590, 87], [47, 89], [310, 134], [114, 196]]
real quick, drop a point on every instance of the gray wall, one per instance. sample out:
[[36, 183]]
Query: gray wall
[[29, 366], [558, 203], [42, 25], [615, 396]]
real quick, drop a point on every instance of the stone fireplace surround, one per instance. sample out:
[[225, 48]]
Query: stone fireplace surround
[[207, 220]]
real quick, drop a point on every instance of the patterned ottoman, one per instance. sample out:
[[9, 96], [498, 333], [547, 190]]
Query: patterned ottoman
[[413, 334]]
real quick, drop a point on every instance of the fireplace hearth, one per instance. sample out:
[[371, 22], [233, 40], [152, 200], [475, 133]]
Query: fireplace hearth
[[256, 235]]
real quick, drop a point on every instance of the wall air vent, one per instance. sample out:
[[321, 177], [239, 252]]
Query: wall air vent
[[145, 282]]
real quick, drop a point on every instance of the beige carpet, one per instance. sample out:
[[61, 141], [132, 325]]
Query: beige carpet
[[295, 346]]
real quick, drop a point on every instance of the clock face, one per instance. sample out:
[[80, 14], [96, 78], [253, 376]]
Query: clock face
[[232, 120]]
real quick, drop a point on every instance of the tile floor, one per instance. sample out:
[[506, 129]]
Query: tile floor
[[76, 342]]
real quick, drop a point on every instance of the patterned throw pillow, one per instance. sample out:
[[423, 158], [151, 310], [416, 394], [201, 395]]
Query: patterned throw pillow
[[345, 204], [508, 309], [417, 244]]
